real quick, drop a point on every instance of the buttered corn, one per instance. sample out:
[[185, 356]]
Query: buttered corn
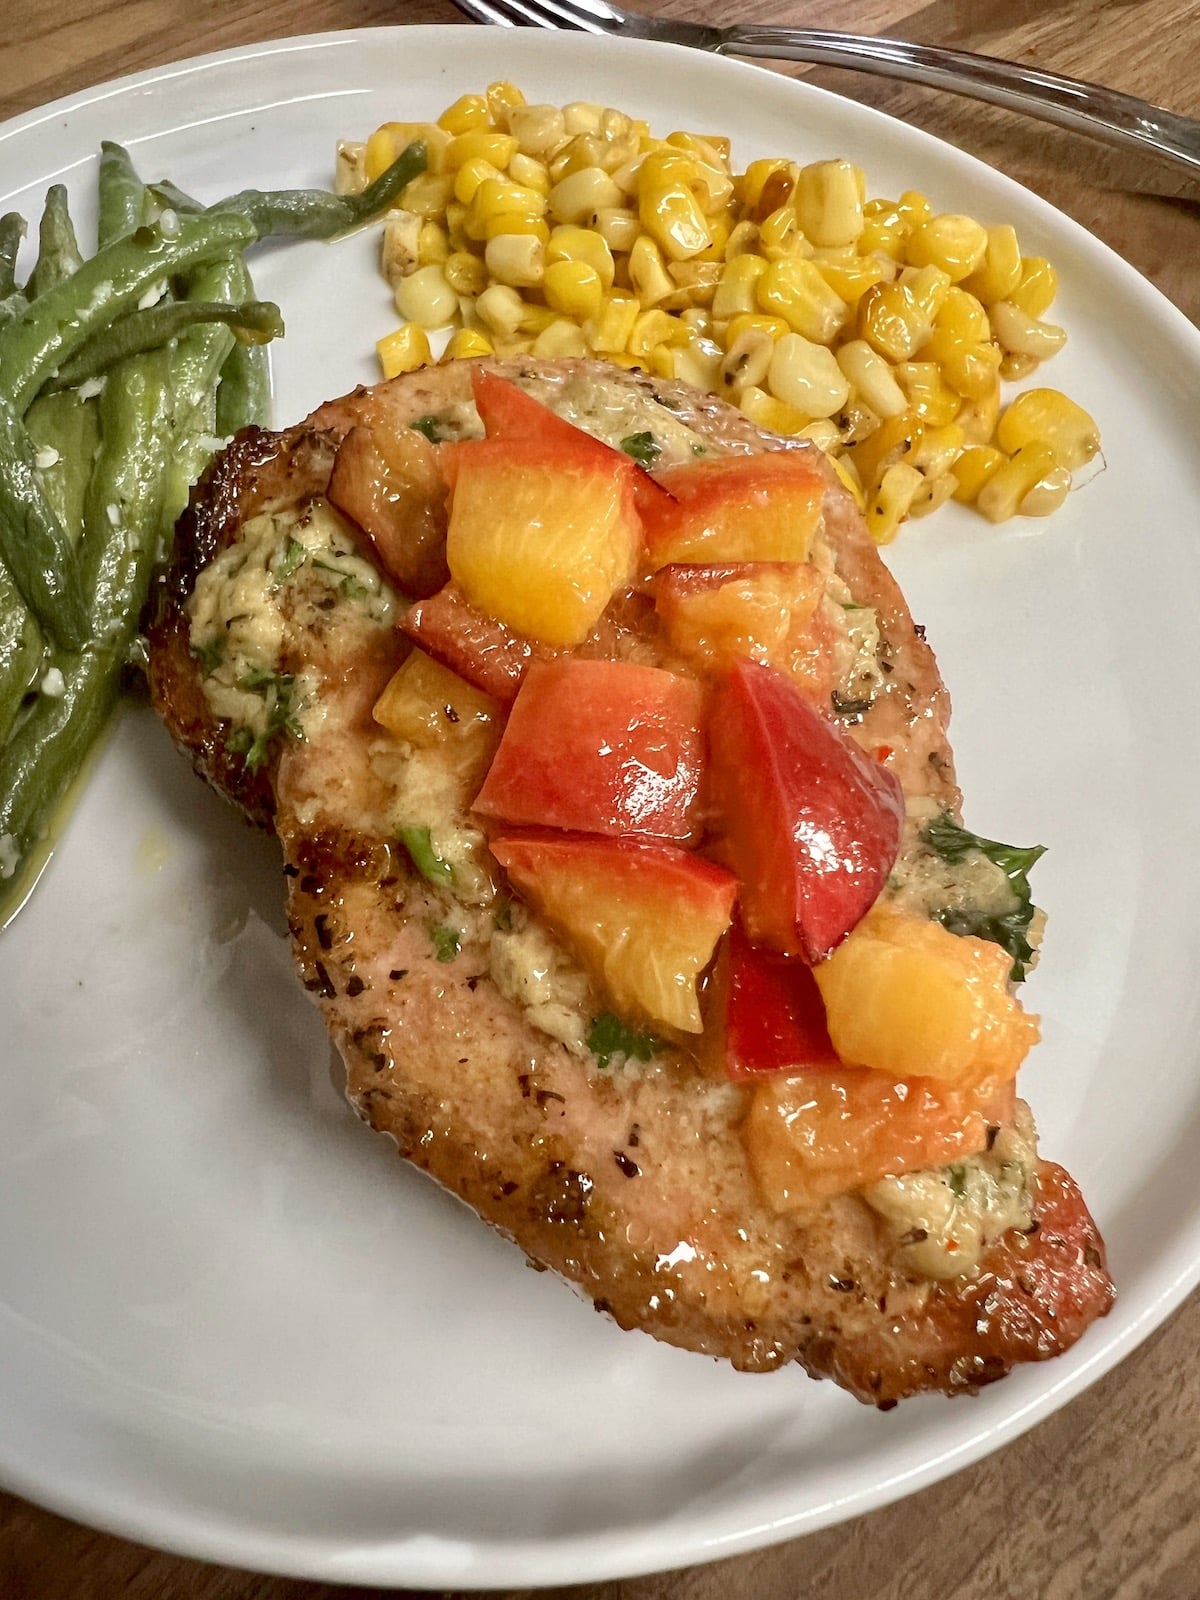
[[880, 329]]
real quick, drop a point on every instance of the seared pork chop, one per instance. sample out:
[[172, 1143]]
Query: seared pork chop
[[459, 1023]]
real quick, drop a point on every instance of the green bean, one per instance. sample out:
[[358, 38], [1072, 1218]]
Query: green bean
[[58, 250], [244, 392], [69, 428], [34, 546], [170, 196], [62, 320], [122, 194], [124, 517], [12, 231], [20, 652], [317, 214], [254, 321]]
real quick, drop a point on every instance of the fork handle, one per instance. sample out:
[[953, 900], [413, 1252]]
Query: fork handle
[[1119, 119]]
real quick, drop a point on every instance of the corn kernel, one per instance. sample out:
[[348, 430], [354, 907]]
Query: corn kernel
[[871, 378], [885, 231], [735, 292], [509, 222], [953, 243], [891, 321], [530, 174], [652, 328], [569, 242], [612, 325], [796, 291], [933, 493], [465, 273], [769, 412], [432, 245], [933, 400], [1021, 334], [766, 185], [742, 240], [1014, 368], [518, 259], [403, 351], [779, 236], [468, 111], [938, 450], [648, 275], [999, 273], [574, 289], [971, 369], [962, 316], [481, 144], [894, 440], [400, 251], [577, 198], [978, 417], [539, 130], [501, 310], [560, 338], [928, 286], [974, 467], [699, 363], [387, 142], [350, 167], [669, 210], [748, 359], [807, 376], [470, 176], [583, 116], [1038, 286], [1045, 416], [1001, 496], [913, 208], [618, 227], [852, 277], [738, 325], [467, 344], [503, 100], [428, 195], [426, 298], [1048, 494], [829, 202], [889, 504]]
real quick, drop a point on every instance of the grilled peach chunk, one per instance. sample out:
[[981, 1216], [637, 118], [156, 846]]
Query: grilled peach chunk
[[734, 508], [808, 821], [910, 998], [430, 707], [644, 918], [391, 486], [820, 1134], [607, 747], [763, 1013]]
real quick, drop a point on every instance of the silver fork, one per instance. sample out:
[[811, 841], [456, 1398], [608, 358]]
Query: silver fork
[[1106, 114]]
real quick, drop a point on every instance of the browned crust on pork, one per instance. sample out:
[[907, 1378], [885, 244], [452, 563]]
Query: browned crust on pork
[[633, 1187]]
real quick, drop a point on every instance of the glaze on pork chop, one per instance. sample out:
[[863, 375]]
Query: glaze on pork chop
[[632, 1183]]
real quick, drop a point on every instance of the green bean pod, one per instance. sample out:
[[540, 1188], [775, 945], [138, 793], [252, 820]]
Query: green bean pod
[[62, 320], [58, 250], [121, 194], [256, 321], [41, 760], [12, 231], [34, 546], [317, 214]]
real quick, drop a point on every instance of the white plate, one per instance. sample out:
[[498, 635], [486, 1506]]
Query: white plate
[[231, 1322]]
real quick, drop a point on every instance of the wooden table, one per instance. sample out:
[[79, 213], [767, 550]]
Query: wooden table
[[1099, 1502]]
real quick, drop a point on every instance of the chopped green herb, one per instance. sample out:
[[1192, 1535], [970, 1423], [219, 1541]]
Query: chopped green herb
[[211, 654], [503, 919], [446, 942], [419, 844], [699, 449], [278, 689], [1009, 930], [430, 426], [956, 1177], [290, 561], [643, 447], [608, 1036]]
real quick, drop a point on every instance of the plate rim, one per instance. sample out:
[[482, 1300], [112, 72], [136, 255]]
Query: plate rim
[[529, 1561]]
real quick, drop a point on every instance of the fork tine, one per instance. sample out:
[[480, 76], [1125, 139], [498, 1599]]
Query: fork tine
[[484, 11], [594, 16]]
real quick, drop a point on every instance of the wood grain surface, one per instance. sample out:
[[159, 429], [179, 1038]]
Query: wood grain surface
[[1100, 1502]]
